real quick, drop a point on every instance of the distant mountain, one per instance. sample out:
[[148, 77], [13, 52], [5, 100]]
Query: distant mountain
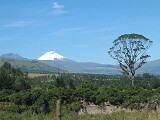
[[56, 60], [13, 56], [83, 67], [30, 66], [51, 61], [51, 56], [152, 67]]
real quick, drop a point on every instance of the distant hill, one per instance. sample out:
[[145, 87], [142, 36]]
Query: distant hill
[[30, 66], [152, 67], [51, 61], [83, 67], [56, 60], [13, 56]]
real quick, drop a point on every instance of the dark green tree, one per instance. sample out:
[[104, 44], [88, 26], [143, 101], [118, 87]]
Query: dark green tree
[[130, 52], [60, 82], [21, 84], [12, 78], [7, 76]]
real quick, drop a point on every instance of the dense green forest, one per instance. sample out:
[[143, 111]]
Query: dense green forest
[[20, 94]]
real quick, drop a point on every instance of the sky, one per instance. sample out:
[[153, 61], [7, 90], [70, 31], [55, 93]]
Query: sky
[[81, 30]]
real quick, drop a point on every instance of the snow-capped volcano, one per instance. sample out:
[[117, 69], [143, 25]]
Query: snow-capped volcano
[[51, 56]]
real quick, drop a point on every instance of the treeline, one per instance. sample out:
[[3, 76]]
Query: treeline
[[18, 93]]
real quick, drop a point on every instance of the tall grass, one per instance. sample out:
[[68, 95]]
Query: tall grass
[[147, 115]]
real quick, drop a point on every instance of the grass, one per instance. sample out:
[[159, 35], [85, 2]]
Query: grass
[[147, 115], [32, 75]]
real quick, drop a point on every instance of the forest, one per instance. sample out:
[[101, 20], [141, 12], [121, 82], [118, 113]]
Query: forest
[[36, 96]]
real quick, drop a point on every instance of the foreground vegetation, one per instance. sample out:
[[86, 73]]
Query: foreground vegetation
[[35, 98], [152, 115]]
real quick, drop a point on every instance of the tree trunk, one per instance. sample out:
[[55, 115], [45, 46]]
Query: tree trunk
[[133, 73], [132, 80]]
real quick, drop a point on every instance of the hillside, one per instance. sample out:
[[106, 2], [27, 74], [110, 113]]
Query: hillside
[[52, 61], [152, 67], [83, 67], [30, 66], [13, 56]]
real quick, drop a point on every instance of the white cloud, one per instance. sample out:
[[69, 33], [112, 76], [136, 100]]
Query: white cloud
[[57, 5], [19, 24], [83, 30], [58, 9]]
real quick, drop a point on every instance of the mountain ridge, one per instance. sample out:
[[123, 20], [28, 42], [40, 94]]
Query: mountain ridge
[[152, 67], [13, 56], [31, 66]]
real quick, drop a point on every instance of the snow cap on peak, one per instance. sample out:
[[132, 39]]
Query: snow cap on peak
[[51, 56]]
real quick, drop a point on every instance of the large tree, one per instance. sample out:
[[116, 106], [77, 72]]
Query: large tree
[[130, 52]]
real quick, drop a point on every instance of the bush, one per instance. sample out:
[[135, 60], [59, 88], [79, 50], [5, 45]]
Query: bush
[[75, 106], [10, 107], [154, 102]]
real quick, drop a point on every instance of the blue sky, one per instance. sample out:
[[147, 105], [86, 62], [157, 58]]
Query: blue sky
[[81, 30]]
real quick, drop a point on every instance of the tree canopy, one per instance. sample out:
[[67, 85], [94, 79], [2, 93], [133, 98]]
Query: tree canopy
[[130, 52], [11, 78]]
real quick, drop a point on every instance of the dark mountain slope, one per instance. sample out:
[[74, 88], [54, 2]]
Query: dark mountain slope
[[30, 66]]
